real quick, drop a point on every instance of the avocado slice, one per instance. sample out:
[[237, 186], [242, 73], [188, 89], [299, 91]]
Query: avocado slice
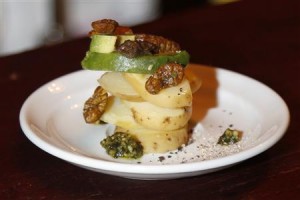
[[147, 64], [123, 38], [103, 43]]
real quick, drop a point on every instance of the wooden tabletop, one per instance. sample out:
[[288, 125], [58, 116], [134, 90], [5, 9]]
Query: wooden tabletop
[[258, 38]]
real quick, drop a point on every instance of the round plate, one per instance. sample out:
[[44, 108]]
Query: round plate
[[52, 119]]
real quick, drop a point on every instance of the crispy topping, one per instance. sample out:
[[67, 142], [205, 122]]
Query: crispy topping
[[132, 49], [168, 75], [109, 27], [144, 43], [94, 107], [104, 26], [123, 30], [166, 46]]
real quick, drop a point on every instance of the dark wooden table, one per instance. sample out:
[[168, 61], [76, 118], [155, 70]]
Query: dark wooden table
[[258, 38]]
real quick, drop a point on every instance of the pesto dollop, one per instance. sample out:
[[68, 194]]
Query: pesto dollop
[[122, 145], [230, 137]]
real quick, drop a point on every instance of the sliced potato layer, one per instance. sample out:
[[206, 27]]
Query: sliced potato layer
[[161, 141], [118, 114], [158, 118], [159, 121], [172, 97], [115, 84], [153, 141]]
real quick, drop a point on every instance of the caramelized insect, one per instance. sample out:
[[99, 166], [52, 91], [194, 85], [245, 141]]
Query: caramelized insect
[[166, 46], [168, 75], [109, 26], [94, 107], [123, 30], [132, 49]]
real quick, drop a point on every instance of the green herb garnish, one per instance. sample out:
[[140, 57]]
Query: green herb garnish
[[122, 145], [230, 137]]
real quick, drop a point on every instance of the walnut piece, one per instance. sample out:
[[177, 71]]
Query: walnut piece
[[168, 75], [94, 107]]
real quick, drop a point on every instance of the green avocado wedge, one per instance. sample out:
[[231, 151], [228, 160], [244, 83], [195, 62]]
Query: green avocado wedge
[[141, 65]]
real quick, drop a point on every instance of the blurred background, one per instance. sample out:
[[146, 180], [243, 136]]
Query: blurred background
[[28, 24]]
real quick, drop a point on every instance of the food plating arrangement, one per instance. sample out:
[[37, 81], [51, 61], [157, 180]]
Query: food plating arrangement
[[145, 92]]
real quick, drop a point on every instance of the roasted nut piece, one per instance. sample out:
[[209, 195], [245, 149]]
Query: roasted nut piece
[[123, 30], [95, 106], [105, 26], [109, 26], [165, 46], [132, 49], [148, 48], [168, 75], [129, 49]]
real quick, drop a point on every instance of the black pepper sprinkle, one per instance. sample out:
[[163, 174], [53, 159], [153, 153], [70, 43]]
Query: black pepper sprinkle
[[161, 158]]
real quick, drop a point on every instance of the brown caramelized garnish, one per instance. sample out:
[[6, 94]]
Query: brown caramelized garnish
[[109, 27], [123, 30], [94, 107], [105, 26], [165, 45], [144, 43], [168, 75], [132, 49]]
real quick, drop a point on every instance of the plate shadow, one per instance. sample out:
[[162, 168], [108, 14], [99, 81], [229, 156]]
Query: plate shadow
[[206, 97]]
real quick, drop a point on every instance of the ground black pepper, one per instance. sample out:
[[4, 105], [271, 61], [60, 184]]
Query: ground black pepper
[[161, 158]]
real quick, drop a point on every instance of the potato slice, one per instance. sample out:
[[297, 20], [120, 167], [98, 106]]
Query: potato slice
[[159, 141], [116, 84], [172, 97], [159, 118], [153, 141], [119, 114]]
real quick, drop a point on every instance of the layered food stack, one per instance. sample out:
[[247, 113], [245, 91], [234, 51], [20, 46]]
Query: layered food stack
[[144, 91]]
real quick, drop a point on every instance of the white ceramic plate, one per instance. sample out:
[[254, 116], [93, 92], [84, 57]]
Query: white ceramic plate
[[52, 119]]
